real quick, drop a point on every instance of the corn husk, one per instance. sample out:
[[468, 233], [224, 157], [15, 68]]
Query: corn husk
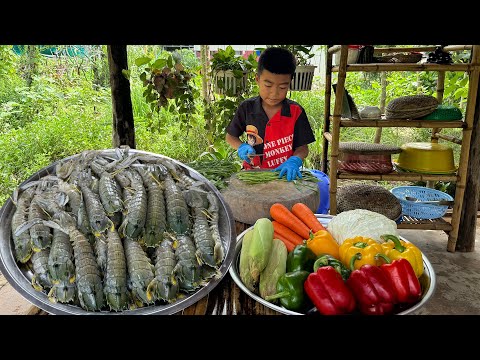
[[244, 265], [276, 267], [261, 247]]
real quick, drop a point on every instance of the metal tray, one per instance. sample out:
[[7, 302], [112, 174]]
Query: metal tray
[[19, 276], [427, 279]]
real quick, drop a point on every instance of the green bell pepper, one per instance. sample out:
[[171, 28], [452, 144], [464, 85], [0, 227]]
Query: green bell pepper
[[328, 260], [301, 258], [290, 290]]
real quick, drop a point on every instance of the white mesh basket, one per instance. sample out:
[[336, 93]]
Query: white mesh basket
[[303, 78], [225, 81]]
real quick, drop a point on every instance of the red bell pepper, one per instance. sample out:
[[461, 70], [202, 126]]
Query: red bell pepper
[[372, 290], [402, 276], [328, 292]]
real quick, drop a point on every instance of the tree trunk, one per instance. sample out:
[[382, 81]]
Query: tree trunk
[[207, 94], [99, 67], [205, 60], [123, 124], [32, 55], [468, 219], [383, 98]]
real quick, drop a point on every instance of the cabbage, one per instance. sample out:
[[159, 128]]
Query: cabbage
[[360, 222]]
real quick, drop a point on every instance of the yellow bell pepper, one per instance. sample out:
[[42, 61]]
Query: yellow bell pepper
[[396, 249], [367, 248], [322, 242]]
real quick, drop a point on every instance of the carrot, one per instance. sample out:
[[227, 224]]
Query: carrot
[[304, 213], [290, 246], [288, 234], [280, 213]]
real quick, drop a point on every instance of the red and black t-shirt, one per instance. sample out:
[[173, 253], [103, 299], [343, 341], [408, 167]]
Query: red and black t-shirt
[[278, 137]]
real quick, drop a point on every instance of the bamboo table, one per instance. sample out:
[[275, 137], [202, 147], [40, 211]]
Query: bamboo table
[[227, 299]]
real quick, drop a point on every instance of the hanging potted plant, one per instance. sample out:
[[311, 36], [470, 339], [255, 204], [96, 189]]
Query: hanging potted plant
[[168, 84], [230, 72], [303, 77]]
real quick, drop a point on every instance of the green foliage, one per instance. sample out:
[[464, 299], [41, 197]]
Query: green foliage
[[219, 111], [67, 109], [314, 104], [224, 60], [7, 62], [167, 79], [42, 142]]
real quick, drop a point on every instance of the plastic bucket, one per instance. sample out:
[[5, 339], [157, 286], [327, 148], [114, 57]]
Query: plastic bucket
[[324, 188]]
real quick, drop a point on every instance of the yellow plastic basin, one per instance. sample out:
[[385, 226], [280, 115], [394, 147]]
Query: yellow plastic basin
[[425, 157]]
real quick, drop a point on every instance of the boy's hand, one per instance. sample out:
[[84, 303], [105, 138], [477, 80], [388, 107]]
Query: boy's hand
[[291, 167], [244, 150]]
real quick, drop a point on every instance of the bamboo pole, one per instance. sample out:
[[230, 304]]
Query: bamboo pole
[[457, 47], [440, 91], [327, 136], [449, 138], [465, 151], [412, 223], [328, 97], [378, 135], [334, 49], [468, 221], [383, 98], [376, 67], [397, 177], [340, 89], [205, 60], [404, 49], [401, 123]]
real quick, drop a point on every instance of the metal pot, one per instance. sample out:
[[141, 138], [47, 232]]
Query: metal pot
[[427, 279], [19, 275]]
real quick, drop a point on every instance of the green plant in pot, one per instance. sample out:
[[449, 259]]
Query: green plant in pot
[[303, 53], [169, 84], [233, 80], [230, 71], [302, 80]]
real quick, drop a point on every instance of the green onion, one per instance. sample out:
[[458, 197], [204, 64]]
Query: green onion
[[259, 177], [215, 170]]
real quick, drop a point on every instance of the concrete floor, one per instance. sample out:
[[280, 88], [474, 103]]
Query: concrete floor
[[457, 291]]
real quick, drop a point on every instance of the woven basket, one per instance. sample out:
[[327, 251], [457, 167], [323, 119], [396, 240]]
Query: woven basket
[[353, 147], [398, 58], [411, 107], [369, 197]]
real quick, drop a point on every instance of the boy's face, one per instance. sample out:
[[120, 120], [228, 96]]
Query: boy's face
[[273, 88]]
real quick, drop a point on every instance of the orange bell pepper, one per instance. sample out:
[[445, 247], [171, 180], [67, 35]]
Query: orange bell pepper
[[322, 242]]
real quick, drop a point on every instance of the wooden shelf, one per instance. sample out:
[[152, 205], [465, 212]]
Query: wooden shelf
[[332, 135], [401, 123], [409, 222], [397, 176], [404, 67]]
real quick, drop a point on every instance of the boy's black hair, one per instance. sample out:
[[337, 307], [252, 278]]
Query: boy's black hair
[[277, 60]]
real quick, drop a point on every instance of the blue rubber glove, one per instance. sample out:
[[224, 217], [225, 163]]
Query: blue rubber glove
[[291, 167], [244, 150]]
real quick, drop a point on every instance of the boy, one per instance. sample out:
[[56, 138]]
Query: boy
[[277, 128]]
